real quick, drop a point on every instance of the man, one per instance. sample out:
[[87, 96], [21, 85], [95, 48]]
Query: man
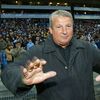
[[29, 44], [65, 74], [3, 46], [18, 50]]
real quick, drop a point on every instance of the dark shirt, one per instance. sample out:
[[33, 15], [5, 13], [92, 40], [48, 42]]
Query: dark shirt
[[65, 52]]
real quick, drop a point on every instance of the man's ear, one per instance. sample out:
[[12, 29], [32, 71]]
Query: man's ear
[[50, 30]]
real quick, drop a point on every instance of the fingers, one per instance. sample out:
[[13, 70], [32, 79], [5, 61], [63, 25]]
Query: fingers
[[33, 67], [36, 76], [28, 74], [43, 62], [42, 77], [25, 72], [38, 62], [33, 72], [98, 78], [35, 63]]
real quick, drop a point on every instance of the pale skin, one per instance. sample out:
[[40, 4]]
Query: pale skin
[[34, 74], [62, 32]]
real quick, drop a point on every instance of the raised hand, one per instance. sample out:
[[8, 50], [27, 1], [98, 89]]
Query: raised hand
[[98, 78], [33, 72]]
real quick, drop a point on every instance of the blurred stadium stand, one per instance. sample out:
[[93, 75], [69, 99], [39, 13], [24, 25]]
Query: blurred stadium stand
[[81, 9]]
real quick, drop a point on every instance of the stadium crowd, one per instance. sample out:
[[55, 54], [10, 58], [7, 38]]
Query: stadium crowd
[[19, 35]]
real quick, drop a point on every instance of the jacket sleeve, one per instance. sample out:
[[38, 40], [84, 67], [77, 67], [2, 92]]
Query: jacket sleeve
[[11, 75], [96, 59]]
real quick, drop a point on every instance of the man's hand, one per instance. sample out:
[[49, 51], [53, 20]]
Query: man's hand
[[33, 73], [98, 78]]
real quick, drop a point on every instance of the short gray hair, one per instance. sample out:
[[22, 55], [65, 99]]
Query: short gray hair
[[63, 13]]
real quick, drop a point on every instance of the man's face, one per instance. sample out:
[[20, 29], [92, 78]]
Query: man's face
[[62, 30], [18, 45]]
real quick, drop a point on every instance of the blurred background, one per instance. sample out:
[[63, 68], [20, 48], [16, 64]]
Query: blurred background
[[24, 23]]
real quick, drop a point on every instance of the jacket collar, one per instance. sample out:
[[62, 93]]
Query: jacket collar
[[75, 47], [50, 46]]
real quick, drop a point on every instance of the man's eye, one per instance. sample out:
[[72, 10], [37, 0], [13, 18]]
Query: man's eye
[[69, 25], [58, 26]]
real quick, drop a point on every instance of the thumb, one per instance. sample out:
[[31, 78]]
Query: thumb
[[49, 74]]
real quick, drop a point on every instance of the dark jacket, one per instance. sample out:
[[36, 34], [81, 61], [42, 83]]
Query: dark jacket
[[74, 81], [3, 44]]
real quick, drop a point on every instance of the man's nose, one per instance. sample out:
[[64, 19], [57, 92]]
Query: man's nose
[[64, 31]]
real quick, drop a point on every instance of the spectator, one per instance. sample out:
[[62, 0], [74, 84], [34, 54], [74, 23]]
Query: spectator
[[9, 55], [69, 69], [3, 46], [30, 44], [17, 50]]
